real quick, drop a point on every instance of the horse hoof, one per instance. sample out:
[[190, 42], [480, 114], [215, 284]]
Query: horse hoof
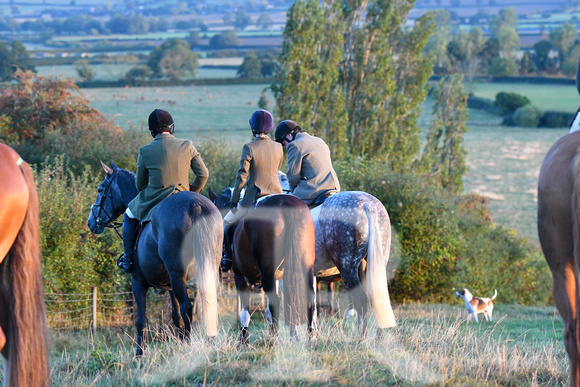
[[211, 341], [294, 339], [312, 334], [380, 334], [244, 336]]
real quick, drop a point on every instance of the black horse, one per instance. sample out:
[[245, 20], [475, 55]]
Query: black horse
[[182, 241], [275, 241]]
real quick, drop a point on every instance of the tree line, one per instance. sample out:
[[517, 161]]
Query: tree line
[[500, 53], [127, 24]]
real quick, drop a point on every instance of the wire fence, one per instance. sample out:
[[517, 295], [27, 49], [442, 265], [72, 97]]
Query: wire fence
[[89, 310], [74, 311]]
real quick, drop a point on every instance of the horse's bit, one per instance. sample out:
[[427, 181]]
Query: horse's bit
[[111, 224]]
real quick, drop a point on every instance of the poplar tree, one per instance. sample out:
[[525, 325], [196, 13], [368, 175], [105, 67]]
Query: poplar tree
[[443, 157], [354, 74], [307, 87]]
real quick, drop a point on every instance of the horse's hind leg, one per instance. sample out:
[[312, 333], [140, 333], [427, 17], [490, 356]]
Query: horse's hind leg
[[358, 297], [176, 315], [179, 288], [564, 290], [312, 305], [243, 289], [269, 286]]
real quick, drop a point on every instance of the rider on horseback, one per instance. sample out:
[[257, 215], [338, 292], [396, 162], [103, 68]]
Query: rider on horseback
[[162, 169], [259, 165], [310, 173]]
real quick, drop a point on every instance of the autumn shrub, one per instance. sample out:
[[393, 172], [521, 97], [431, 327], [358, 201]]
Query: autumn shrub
[[448, 241], [42, 118]]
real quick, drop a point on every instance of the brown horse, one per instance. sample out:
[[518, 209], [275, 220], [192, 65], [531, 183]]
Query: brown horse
[[559, 232], [275, 241], [22, 318]]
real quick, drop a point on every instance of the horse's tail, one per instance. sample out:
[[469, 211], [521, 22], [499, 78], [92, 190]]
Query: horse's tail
[[576, 239], [376, 277], [207, 247], [299, 253], [26, 337]]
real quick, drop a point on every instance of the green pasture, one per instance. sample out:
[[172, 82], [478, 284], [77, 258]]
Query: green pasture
[[198, 111], [157, 36], [545, 97], [431, 345], [113, 72]]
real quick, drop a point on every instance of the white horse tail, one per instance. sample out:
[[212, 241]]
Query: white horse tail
[[376, 277], [299, 249], [207, 247]]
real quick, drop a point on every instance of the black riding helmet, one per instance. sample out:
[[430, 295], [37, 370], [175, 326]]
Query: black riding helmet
[[160, 121], [285, 127]]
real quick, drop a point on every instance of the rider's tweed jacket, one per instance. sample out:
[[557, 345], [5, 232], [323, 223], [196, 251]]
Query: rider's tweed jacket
[[261, 160], [310, 173], [162, 169]]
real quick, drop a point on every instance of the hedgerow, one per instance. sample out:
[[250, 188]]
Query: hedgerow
[[448, 241]]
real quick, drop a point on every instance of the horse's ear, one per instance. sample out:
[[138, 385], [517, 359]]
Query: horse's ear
[[212, 195], [107, 170], [113, 165]]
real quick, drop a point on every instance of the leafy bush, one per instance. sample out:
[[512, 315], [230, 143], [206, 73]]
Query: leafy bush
[[509, 102], [222, 160], [448, 241], [486, 104], [46, 117], [502, 67], [74, 259], [554, 119], [527, 116]]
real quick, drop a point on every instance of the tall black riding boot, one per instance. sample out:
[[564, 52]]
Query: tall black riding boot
[[226, 263], [125, 261]]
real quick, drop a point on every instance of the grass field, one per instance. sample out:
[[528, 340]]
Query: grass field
[[113, 72], [431, 345], [222, 110], [544, 97]]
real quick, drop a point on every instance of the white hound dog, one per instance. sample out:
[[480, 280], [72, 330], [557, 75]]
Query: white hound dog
[[476, 305]]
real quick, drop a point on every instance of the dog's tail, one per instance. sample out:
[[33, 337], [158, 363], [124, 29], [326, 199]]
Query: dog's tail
[[494, 294]]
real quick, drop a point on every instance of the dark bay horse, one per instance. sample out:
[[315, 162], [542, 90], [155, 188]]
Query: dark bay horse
[[22, 319], [353, 227], [275, 241], [182, 241], [559, 232]]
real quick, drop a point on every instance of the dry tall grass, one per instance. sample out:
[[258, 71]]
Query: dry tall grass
[[431, 345]]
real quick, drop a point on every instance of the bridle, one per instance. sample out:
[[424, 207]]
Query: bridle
[[99, 204]]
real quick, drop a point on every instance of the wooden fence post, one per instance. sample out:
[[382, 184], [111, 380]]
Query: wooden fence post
[[94, 322]]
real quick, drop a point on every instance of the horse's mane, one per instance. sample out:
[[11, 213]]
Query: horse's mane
[[126, 179]]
